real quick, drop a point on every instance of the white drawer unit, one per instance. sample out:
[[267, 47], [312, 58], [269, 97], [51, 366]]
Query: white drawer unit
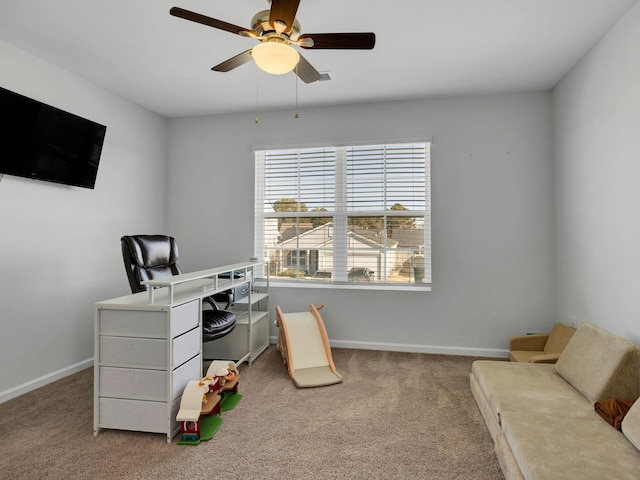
[[144, 360], [148, 346]]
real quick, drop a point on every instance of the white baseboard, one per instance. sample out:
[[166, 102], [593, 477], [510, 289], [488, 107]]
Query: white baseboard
[[433, 349], [383, 346], [44, 380]]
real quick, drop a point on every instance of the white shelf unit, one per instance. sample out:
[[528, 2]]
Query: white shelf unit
[[148, 346], [251, 335]]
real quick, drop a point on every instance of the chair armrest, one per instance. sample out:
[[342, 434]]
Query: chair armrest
[[545, 358], [226, 296], [529, 342], [209, 301]]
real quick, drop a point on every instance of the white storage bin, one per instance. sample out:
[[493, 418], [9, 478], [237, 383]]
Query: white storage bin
[[185, 317], [138, 415], [186, 346], [191, 370], [152, 324], [133, 351], [133, 382]]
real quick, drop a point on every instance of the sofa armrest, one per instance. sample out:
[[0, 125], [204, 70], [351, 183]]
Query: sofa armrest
[[545, 358], [529, 342]]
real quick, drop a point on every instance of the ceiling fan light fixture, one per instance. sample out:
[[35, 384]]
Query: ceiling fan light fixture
[[275, 58]]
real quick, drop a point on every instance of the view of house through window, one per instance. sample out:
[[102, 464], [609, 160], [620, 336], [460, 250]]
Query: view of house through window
[[345, 214]]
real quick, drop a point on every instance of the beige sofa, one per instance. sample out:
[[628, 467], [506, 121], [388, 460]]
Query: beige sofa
[[542, 418]]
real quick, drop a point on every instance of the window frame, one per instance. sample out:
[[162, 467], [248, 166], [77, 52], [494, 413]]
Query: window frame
[[340, 215]]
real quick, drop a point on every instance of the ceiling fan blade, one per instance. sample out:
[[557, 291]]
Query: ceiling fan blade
[[234, 62], [284, 12], [348, 41], [204, 20], [306, 72]]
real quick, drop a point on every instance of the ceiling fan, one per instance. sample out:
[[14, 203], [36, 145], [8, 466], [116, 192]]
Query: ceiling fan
[[277, 30]]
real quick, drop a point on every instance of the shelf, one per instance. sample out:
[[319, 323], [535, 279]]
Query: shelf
[[242, 316], [207, 282], [255, 298]]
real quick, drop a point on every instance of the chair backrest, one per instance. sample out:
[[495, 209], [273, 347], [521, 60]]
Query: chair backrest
[[147, 257], [559, 338]]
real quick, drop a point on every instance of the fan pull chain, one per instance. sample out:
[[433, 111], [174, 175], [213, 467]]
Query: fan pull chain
[[295, 77], [257, 94]]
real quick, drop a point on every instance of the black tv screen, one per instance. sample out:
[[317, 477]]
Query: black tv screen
[[45, 143]]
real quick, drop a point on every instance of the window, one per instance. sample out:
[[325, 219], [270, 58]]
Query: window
[[345, 215]]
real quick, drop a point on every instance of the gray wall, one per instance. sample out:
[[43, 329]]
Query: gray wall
[[492, 184], [60, 245], [597, 126]]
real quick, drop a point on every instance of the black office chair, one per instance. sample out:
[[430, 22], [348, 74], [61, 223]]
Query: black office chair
[[148, 257]]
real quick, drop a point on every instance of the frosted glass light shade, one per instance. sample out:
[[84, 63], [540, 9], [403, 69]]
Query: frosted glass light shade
[[275, 58]]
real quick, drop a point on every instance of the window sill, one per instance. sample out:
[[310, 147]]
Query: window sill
[[353, 286]]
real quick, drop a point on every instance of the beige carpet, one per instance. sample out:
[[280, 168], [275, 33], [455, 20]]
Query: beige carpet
[[395, 416]]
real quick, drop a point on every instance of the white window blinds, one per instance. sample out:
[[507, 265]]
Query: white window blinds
[[355, 214]]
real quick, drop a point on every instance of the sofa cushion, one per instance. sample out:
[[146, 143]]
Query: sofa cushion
[[533, 388], [631, 425], [554, 447], [599, 364]]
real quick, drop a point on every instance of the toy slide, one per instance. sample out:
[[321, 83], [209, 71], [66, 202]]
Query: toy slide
[[305, 349]]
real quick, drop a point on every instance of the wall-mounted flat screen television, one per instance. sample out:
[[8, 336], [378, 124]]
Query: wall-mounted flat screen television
[[45, 143]]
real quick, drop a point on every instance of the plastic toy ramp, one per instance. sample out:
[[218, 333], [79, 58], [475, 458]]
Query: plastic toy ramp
[[305, 348]]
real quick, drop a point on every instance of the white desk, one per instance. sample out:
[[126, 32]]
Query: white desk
[[148, 345]]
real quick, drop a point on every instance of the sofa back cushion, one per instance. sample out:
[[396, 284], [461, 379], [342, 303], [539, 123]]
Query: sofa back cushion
[[558, 338], [631, 425], [599, 365]]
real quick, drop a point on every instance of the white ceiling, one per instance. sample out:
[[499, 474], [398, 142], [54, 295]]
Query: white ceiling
[[425, 48]]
